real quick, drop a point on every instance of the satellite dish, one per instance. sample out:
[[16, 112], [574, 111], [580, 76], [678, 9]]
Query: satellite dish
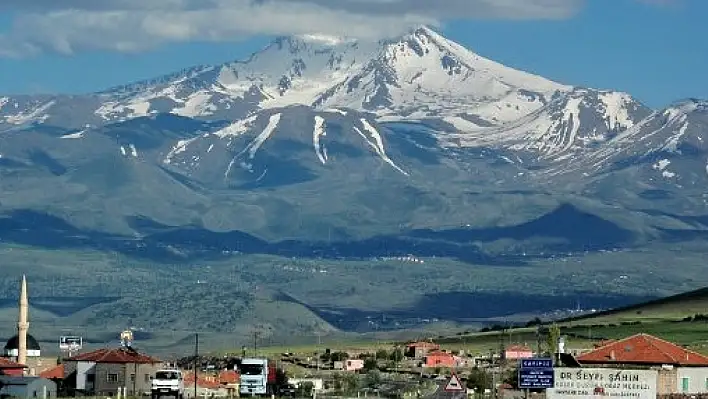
[[126, 338]]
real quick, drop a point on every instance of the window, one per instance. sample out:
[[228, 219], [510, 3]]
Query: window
[[112, 377], [166, 375], [684, 384], [132, 378]]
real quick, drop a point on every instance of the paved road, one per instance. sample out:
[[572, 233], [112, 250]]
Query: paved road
[[441, 393]]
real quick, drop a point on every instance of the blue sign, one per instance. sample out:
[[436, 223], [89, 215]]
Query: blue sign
[[536, 363], [536, 374]]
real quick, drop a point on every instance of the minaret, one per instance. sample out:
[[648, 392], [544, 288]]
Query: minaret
[[23, 324]]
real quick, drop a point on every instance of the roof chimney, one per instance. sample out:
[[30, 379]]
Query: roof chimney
[[612, 355]]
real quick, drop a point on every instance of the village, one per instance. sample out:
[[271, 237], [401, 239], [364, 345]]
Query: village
[[639, 366]]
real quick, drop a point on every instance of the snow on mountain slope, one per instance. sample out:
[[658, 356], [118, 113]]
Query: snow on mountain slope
[[417, 74], [21, 110], [298, 140], [570, 123], [470, 101], [423, 74], [672, 143], [291, 70]]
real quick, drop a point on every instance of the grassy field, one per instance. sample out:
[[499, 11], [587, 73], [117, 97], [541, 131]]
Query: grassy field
[[672, 318], [98, 294]]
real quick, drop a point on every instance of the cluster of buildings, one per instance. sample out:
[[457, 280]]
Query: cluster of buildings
[[25, 373], [640, 366]]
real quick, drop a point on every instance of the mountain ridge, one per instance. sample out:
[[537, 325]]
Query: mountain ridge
[[320, 151]]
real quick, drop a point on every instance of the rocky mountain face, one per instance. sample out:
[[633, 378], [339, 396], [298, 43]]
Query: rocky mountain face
[[316, 137]]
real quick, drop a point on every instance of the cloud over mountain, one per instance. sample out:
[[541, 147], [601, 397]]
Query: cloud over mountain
[[70, 26]]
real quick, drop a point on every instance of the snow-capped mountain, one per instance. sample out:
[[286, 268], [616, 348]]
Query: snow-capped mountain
[[417, 75], [386, 120], [420, 76]]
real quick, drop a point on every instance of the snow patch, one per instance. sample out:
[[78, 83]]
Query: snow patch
[[180, 147], [135, 109], [273, 122], [256, 144], [37, 114], [318, 132], [76, 135], [616, 110], [336, 111], [236, 128], [198, 104], [661, 165], [377, 143]]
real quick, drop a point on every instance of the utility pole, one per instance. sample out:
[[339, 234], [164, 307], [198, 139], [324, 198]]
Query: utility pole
[[494, 373], [196, 360], [255, 343], [538, 340]]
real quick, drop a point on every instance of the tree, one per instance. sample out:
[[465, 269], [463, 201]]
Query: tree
[[326, 357], [373, 379], [281, 378], [304, 389], [512, 377], [479, 380], [371, 364], [396, 355], [552, 339], [382, 354], [346, 382], [339, 356]]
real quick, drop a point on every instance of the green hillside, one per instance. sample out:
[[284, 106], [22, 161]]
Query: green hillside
[[682, 319], [675, 307]]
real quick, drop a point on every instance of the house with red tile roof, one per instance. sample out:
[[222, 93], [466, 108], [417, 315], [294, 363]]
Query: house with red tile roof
[[643, 349], [103, 371], [681, 371], [56, 373], [229, 377], [223, 384], [516, 352], [441, 359], [419, 349], [8, 367]]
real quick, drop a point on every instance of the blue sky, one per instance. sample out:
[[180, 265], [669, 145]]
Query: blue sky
[[654, 49]]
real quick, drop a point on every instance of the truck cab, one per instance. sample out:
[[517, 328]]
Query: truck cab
[[254, 377], [167, 382]]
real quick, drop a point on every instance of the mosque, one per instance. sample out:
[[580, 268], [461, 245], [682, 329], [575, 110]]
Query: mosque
[[23, 348]]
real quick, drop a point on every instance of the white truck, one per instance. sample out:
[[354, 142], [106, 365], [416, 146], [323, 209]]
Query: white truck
[[254, 377], [167, 382]]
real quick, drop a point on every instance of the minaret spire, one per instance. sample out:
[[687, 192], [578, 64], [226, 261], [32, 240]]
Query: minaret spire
[[23, 324]]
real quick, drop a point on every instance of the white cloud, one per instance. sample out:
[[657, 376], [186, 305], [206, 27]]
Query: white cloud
[[70, 26]]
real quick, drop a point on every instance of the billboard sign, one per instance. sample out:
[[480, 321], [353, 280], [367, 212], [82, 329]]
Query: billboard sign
[[70, 343], [536, 373], [586, 383]]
